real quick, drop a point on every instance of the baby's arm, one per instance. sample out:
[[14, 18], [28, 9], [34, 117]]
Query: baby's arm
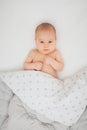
[[30, 65], [56, 63]]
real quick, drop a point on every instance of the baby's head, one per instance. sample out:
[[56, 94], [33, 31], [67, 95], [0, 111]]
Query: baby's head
[[45, 36]]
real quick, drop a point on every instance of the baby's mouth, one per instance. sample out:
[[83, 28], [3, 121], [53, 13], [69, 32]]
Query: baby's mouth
[[46, 49]]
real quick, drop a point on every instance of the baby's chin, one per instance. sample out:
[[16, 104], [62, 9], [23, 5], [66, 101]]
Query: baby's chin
[[46, 51]]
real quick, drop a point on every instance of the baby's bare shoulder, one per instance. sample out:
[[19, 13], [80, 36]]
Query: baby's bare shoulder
[[33, 51], [55, 52]]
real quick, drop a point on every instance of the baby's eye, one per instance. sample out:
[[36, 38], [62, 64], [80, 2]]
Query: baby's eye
[[41, 42], [50, 42]]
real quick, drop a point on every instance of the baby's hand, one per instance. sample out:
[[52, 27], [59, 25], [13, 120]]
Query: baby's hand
[[47, 60], [38, 66]]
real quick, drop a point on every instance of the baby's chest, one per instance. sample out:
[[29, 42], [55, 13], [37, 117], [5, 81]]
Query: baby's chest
[[41, 57], [38, 57]]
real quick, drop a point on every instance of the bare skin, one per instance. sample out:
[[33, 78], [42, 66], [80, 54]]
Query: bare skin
[[45, 57]]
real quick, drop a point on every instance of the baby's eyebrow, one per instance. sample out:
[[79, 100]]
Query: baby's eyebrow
[[50, 40]]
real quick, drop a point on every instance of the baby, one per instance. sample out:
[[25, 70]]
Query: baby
[[45, 57]]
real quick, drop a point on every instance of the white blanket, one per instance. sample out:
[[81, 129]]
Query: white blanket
[[62, 101]]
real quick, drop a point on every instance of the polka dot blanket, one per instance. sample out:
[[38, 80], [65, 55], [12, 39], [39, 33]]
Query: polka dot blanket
[[58, 100]]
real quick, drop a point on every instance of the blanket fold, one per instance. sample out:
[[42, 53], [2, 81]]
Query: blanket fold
[[58, 100]]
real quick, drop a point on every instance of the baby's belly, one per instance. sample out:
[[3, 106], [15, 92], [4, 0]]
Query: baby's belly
[[48, 69]]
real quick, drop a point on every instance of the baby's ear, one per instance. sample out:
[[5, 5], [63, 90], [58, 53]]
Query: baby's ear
[[35, 40]]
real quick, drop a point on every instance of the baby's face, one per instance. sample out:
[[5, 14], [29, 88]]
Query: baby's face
[[45, 41]]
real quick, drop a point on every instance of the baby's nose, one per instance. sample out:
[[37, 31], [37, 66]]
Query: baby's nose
[[45, 45]]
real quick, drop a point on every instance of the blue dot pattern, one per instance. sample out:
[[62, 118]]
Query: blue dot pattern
[[58, 100]]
